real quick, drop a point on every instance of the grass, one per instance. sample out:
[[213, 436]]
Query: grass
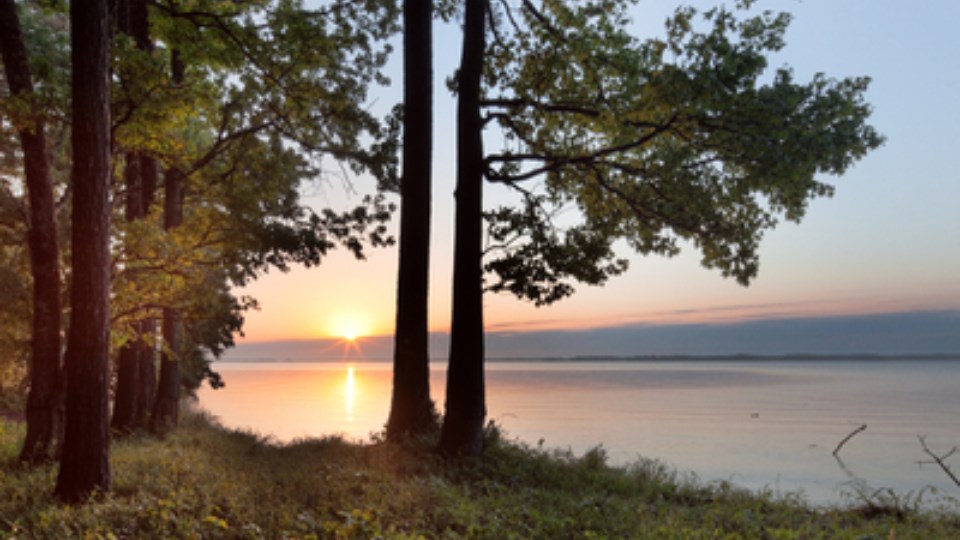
[[208, 482]]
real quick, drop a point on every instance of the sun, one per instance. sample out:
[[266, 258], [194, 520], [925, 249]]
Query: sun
[[350, 327]]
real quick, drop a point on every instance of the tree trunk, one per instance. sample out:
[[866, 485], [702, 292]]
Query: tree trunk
[[462, 431], [136, 369], [128, 359], [125, 398], [411, 409], [166, 407], [147, 356], [44, 403], [84, 467], [147, 376]]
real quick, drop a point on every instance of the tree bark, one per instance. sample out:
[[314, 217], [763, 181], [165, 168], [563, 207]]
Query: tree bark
[[462, 431], [125, 414], [84, 466], [136, 366], [147, 380], [411, 409], [166, 407], [147, 374], [44, 402]]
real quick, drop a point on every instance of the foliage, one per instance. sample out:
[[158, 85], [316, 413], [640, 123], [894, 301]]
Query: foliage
[[657, 142], [535, 262], [14, 326], [204, 481], [271, 90], [46, 40]]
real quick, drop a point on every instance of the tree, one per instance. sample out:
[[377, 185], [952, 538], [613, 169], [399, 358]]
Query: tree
[[271, 89], [84, 466], [411, 409], [44, 408], [136, 372], [462, 430], [228, 126], [166, 407], [652, 142]]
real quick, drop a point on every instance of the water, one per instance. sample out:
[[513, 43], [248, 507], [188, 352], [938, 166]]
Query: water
[[760, 425]]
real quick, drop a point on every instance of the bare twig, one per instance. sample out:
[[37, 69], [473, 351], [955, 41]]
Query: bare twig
[[940, 460], [848, 437]]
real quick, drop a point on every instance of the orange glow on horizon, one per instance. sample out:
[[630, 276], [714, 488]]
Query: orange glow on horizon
[[351, 305]]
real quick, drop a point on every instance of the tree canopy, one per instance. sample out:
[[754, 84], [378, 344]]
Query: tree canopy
[[657, 141], [651, 142], [248, 102]]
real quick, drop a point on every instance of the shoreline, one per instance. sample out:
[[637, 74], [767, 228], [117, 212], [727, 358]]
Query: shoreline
[[204, 480]]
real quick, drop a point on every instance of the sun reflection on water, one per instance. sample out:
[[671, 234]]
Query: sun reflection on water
[[350, 392]]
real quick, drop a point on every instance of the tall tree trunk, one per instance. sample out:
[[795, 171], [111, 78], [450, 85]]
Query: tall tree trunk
[[136, 369], [147, 379], [411, 410], [84, 466], [166, 407], [128, 359], [44, 403], [462, 431]]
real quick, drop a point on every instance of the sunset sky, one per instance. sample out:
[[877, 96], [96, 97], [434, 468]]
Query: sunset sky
[[887, 242]]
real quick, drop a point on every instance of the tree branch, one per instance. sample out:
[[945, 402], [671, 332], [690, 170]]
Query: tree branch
[[941, 459], [557, 162], [848, 437]]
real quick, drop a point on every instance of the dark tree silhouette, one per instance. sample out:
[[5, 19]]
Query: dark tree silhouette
[[166, 407], [44, 403], [84, 467], [411, 409], [136, 378], [650, 141], [462, 430], [128, 358]]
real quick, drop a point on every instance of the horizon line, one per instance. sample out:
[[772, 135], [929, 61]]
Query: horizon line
[[623, 325], [632, 358]]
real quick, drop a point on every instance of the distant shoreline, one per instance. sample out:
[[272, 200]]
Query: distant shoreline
[[947, 357]]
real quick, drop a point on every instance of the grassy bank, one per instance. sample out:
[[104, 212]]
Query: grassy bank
[[205, 481]]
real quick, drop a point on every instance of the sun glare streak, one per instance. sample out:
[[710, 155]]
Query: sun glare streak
[[350, 349]]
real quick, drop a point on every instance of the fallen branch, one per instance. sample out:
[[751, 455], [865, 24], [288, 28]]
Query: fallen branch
[[848, 437], [940, 460]]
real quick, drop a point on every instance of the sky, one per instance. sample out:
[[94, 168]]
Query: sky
[[882, 254]]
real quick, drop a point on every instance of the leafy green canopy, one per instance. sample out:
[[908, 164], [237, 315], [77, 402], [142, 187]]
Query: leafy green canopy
[[271, 92], [653, 141], [272, 96]]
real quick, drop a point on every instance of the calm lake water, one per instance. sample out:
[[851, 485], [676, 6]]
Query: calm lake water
[[761, 425]]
